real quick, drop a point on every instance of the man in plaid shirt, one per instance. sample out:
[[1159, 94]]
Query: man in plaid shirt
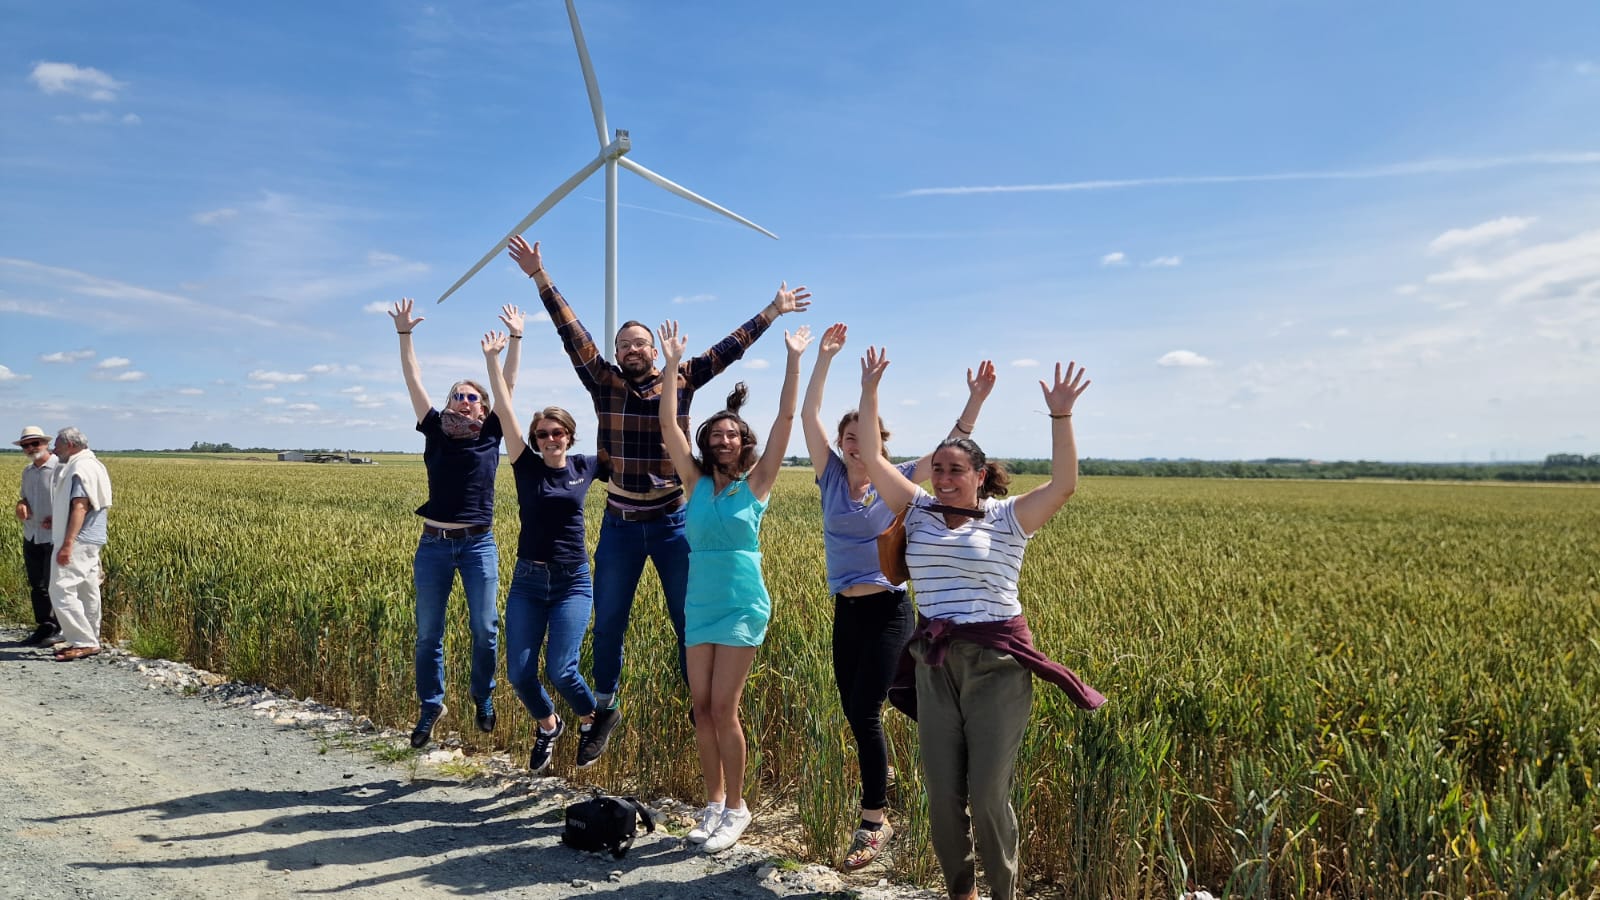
[[644, 499]]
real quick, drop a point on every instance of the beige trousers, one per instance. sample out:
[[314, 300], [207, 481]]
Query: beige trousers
[[972, 713], [75, 595]]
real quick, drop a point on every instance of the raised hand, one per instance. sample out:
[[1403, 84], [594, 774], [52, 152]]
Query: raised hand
[[979, 385], [401, 314], [798, 341], [832, 339], [493, 342], [513, 318], [527, 258], [787, 301], [1065, 392], [872, 366], [672, 343]]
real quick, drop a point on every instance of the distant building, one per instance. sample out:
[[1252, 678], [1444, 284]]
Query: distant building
[[291, 456]]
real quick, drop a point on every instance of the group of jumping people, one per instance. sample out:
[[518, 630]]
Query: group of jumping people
[[961, 648]]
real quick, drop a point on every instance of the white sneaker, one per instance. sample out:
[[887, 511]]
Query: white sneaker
[[706, 823], [734, 822]]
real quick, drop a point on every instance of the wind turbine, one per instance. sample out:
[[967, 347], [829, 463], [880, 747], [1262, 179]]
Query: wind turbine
[[612, 154]]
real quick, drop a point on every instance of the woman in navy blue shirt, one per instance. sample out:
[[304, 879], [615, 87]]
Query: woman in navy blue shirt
[[551, 593], [461, 454]]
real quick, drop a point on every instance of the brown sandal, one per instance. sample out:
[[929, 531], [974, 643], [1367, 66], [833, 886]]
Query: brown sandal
[[72, 653]]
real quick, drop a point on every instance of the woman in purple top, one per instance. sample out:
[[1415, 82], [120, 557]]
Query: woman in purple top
[[461, 454], [872, 616], [551, 593]]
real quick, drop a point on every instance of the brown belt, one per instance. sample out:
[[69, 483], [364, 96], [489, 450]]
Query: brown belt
[[455, 534]]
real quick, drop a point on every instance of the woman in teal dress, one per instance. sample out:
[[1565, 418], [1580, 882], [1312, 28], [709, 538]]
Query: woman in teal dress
[[727, 607]]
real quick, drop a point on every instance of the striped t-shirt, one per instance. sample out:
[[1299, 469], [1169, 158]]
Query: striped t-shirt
[[967, 574]]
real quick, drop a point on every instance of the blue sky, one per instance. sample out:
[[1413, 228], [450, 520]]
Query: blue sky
[[1267, 229]]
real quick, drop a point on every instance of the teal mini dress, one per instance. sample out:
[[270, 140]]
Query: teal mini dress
[[727, 601]]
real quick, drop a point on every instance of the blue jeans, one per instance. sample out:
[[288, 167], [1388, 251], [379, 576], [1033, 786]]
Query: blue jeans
[[434, 572], [618, 563], [548, 598]]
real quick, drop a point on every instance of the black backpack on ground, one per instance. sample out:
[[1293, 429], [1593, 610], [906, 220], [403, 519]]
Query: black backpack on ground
[[606, 823]]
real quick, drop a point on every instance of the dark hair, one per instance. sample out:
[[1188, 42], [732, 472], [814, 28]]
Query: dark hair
[[996, 480], [560, 417], [747, 438], [631, 323], [853, 416]]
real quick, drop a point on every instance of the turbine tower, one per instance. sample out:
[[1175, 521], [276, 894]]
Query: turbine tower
[[612, 154]]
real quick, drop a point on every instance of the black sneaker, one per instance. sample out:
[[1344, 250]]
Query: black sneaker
[[423, 733], [544, 746], [41, 636], [485, 708], [592, 739]]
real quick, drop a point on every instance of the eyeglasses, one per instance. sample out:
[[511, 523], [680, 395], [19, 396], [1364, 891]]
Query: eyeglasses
[[625, 346], [464, 397], [554, 434]]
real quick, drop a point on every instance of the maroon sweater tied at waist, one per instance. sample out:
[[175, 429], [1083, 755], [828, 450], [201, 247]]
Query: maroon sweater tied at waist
[[1006, 636]]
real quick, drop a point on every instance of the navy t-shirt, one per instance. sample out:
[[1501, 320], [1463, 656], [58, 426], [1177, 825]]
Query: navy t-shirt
[[551, 502], [460, 472]]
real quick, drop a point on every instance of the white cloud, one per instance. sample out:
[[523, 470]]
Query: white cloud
[[303, 407], [129, 375], [695, 298], [80, 81], [377, 306], [1165, 262], [66, 356], [7, 376], [260, 375], [1187, 359], [1482, 233], [1117, 258], [1025, 363], [267, 386], [215, 216], [353, 389], [273, 401], [757, 364], [190, 392], [379, 258], [325, 368], [540, 316], [114, 362], [1572, 265], [86, 285]]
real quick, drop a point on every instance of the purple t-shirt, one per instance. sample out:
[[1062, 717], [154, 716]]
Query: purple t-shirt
[[850, 529], [460, 472], [551, 506]]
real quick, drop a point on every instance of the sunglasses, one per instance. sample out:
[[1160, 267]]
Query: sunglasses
[[464, 397], [553, 434], [32, 444]]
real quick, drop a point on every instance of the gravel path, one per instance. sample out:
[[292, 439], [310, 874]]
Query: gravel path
[[132, 778]]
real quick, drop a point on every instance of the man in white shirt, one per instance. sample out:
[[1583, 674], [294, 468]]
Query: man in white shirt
[[78, 528], [33, 511]]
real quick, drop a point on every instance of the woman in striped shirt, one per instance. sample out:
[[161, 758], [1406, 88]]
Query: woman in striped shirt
[[974, 654]]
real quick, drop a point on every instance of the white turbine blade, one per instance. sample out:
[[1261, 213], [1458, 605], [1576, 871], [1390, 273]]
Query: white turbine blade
[[544, 207], [687, 194], [600, 129]]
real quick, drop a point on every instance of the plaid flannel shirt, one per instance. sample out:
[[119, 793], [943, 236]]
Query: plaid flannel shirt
[[630, 412]]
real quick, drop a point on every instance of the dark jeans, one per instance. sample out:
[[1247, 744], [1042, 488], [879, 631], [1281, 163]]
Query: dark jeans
[[36, 559], [548, 607], [618, 564], [869, 634]]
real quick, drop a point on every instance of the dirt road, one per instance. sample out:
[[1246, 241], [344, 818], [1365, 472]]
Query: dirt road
[[116, 784]]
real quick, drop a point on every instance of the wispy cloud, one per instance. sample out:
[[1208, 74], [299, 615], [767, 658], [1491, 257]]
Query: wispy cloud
[[191, 392], [262, 376], [66, 356], [694, 298], [215, 216], [86, 285], [1443, 166], [129, 375], [757, 364], [378, 306], [1117, 258], [79, 81], [1184, 359], [7, 376], [1165, 262], [1482, 233], [1025, 363], [114, 362]]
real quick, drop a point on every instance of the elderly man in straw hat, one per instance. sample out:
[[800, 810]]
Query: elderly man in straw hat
[[33, 511], [79, 502]]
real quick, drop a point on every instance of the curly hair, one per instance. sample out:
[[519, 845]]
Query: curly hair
[[747, 437]]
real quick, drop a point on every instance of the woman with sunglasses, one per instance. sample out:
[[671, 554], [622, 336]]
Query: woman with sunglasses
[[872, 616], [461, 453], [551, 594]]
